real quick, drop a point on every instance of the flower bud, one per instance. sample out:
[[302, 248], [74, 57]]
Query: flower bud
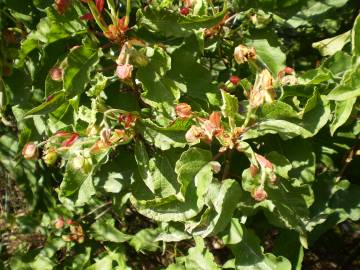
[[259, 194], [189, 3], [30, 151], [50, 156], [183, 110], [273, 178], [124, 72], [215, 166], [59, 223], [234, 80], [242, 54], [184, 11], [105, 134], [253, 170], [61, 6], [81, 163], [56, 74], [264, 162], [66, 238], [289, 70], [194, 134]]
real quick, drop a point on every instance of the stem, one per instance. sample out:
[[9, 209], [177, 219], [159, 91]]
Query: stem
[[212, 7], [96, 16], [227, 165], [248, 117], [128, 11]]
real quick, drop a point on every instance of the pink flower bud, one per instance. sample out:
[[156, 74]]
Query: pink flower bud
[[188, 3], [59, 223], [183, 110], [264, 162], [30, 151], [234, 80], [56, 74], [215, 166], [253, 170], [259, 194], [124, 72], [105, 135]]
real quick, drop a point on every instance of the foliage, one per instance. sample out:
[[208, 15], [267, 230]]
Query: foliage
[[162, 134]]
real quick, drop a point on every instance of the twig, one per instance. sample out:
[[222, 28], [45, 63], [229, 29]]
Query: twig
[[347, 160], [97, 208]]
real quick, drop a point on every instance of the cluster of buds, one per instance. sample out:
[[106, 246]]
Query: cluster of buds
[[207, 129], [128, 120], [76, 234], [214, 30], [243, 54], [60, 222], [124, 69], [116, 32], [267, 172], [263, 90], [109, 138]]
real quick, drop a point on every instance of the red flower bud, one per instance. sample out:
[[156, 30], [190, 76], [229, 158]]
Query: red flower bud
[[289, 70], [70, 141], [56, 74], [234, 80], [30, 151], [61, 6], [124, 72], [100, 5], [184, 11], [87, 17], [183, 110], [69, 221], [259, 194]]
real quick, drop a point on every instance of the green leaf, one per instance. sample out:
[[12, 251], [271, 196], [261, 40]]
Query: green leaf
[[200, 257], [159, 91], [349, 87], [355, 33], [272, 57], [245, 245], [332, 45], [278, 110], [144, 240], [230, 107], [170, 23], [223, 199], [194, 174], [164, 137], [79, 63], [54, 102], [342, 113], [104, 230], [52, 28]]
